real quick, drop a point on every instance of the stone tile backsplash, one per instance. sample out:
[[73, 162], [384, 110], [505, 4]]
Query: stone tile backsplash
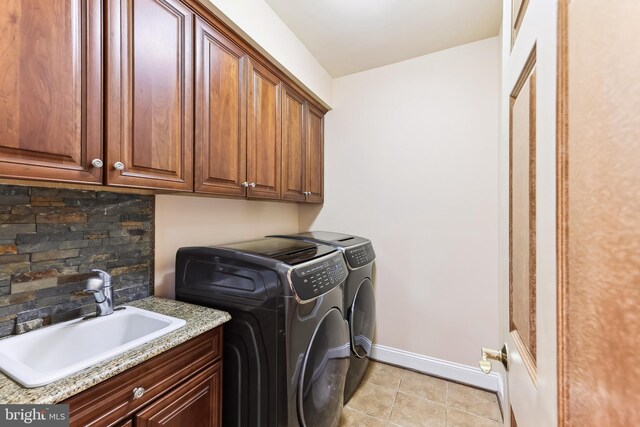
[[49, 240]]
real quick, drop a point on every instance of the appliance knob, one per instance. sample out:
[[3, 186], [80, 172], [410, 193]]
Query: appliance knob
[[97, 163]]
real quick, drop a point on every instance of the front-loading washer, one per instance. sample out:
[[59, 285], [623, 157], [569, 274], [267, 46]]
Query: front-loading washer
[[359, 303], [286, 347]]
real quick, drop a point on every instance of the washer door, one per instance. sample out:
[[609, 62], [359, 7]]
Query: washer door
[[362, 319], [321, 389]]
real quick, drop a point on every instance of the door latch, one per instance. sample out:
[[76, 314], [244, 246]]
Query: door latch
[[498, 355]]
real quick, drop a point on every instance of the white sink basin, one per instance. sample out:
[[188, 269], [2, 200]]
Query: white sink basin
[[48, 354]]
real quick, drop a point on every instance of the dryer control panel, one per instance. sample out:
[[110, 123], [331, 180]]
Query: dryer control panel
[[315, 279], [361, 255]]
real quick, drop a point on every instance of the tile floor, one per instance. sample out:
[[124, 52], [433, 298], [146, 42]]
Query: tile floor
[[391, 396]]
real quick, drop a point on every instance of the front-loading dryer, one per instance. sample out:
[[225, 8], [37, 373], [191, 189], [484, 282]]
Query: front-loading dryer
[[359, 298], [286, 348]]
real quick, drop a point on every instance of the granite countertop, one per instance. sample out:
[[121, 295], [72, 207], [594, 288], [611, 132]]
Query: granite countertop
[[199, 320]]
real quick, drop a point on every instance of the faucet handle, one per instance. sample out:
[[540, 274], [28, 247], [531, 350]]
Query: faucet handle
[[104, 276], [95, 286]]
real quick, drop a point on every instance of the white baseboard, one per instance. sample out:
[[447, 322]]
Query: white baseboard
[[439, 368], [501, 392]]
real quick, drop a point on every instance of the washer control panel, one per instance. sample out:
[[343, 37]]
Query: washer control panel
[[319, 277], [360, 255]]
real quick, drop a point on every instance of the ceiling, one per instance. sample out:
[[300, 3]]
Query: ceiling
[[348, 36]]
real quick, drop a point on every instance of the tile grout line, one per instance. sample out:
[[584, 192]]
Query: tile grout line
[[446, 404], [476, 415], [395, 397]]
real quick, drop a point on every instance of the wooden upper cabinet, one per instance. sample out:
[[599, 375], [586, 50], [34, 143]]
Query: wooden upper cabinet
[[221, 114], [315, 155], [263, 133], [293, 146], [150, 94], [51, 89]]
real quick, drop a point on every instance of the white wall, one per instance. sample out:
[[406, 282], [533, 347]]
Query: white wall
[[411, 162], [257, 20], [185, 221]]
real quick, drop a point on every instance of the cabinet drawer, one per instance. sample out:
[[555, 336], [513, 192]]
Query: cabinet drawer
[[113, 400], [196, 402]]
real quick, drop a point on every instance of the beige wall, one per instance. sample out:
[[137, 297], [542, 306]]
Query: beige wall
[[257, 20], [184, 221], [424, 135], [411, 162]]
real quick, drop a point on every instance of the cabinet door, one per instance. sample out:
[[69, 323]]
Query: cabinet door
[[263, 133], [221, 139], [293, 146], [51, 89], [150, 94], [195, 403], [315, 155]]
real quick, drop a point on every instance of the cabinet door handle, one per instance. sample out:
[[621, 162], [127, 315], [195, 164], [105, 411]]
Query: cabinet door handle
[[97, 163], [252, 185], [119, 166], [138, 392], [245, 184], [307, 193]]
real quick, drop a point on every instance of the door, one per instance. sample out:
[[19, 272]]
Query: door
[[263, 133], [195, 403], [362, 319], [150, 94], [220, 135], [293, 146], [321, 387], [51, 90], [528, 212], [315, 155]]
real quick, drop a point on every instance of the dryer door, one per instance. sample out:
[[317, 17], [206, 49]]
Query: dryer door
[[321, 388], [362, 319]]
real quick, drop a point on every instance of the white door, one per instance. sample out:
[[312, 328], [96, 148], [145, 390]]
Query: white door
[[528, 211]]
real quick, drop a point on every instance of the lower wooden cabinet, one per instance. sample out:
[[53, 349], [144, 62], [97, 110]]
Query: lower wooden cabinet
[[195, 403], [180, 387]]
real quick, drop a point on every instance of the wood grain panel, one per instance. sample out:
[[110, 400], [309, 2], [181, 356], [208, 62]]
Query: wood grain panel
[[51, 89], [293, 146], [195, 403], [315, 155], [150, 94], [522, 212], [599, 210], [220, 133], [264, 142]]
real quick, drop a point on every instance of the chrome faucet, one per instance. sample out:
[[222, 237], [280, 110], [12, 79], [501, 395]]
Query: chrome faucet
[[101, 289]]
